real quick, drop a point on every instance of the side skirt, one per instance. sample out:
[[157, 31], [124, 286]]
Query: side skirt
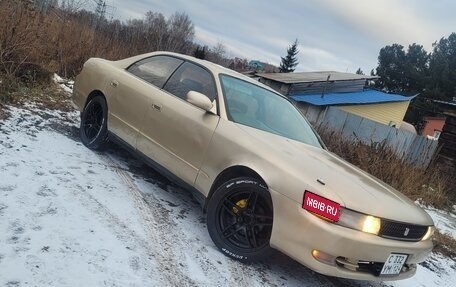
[[199, 197]]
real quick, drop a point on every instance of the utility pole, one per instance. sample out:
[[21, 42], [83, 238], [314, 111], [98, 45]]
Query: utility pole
[[100, 10], [44, 5]]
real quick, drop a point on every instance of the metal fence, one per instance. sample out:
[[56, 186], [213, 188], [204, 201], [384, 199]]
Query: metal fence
[[410, 147]]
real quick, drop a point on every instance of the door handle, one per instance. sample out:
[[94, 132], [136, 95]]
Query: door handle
[[114, 84], [157, 107]]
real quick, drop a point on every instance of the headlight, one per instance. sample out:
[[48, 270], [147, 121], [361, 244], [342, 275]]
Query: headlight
[[359, 221], [429, 233]]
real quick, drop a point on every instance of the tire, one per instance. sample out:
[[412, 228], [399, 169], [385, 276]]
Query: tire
[[94, 128], [239, 219]]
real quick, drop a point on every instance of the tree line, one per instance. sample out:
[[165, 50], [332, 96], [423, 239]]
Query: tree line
[[48, 36], [413, 70]]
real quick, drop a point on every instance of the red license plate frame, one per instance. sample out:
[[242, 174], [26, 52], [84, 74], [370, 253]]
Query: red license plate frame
[[321, 206]]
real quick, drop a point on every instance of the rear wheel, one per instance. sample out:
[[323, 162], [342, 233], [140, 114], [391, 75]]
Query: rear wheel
[[239, 219], [93, 130]]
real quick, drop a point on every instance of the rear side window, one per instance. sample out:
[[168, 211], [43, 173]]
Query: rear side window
[[190, 77], [155, 70]]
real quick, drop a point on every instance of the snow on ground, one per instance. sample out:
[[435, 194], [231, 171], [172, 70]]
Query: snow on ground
[[64, 84], [73, 217], [436, 271], [55, 229], [444, 221]]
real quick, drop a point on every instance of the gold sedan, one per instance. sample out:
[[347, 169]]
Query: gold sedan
[[261, 173]]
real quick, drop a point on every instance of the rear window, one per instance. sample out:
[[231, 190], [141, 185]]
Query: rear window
[[155, 70]]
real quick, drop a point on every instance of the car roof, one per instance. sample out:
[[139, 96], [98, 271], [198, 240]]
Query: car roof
[[214, 68]]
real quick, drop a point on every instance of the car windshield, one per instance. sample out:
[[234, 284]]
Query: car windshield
[[257, 107]]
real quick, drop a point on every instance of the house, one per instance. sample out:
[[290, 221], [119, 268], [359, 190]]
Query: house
[[256, 65], [315, 92], [387, 109], [315, 82], [433, 126], [447, 138]]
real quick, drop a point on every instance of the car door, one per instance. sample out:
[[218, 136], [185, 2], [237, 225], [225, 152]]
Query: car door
[[131, 92], [175, 133]]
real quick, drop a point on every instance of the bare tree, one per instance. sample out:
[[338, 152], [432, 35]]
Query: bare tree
[[217, 54], [71, 6], [156, 31], [181, 32]]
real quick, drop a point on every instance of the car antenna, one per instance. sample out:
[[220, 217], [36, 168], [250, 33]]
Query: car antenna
[[324, 87]]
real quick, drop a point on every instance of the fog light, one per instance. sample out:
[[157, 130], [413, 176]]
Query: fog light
[[324, 257]]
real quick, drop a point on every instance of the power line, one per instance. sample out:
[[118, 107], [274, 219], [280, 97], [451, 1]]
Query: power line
[[103, 10]]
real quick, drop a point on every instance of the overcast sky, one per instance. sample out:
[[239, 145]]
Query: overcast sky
[[339, 35]]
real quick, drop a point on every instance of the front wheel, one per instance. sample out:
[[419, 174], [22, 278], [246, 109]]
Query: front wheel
[[239, 219], [94, 129]]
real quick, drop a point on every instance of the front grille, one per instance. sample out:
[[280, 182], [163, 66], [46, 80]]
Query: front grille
[[402, 231]]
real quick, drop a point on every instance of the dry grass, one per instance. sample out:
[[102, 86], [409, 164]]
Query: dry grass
[[49, 96], [445, 244], [3, 113], [429, 186], [61, 40], [34, 44]]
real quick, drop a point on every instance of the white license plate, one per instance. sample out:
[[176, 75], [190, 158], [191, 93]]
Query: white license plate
[[394, 264]]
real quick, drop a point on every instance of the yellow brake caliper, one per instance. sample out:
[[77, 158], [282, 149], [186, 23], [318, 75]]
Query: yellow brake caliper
[[241, 204]]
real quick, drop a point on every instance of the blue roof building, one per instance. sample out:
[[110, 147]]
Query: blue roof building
[[350, 98], [314, 92]]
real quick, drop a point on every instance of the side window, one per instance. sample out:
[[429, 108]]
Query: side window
[[155, 70], [190, 77]]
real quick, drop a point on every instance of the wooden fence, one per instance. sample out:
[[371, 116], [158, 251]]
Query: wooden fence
[[412, 148]]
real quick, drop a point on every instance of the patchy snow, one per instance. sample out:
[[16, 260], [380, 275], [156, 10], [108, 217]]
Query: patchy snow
[[73, 217], [56, 78], [444, 221], [436, 271], [55, 230], [64, 84]]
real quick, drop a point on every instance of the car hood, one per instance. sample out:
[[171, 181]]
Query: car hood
[[343, 182]]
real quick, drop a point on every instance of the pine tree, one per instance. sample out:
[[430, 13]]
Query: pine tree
[[359, 72], [200, 52], [290, 61]]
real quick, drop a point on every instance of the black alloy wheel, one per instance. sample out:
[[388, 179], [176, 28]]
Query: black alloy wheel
[[93, 129], [239, 219]]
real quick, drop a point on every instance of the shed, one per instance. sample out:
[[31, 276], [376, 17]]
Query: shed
[[447, 139], [381, 107], [316, 91], [433, 126], [315, 82]]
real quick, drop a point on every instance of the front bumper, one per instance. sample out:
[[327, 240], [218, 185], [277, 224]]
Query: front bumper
[[296, 232]]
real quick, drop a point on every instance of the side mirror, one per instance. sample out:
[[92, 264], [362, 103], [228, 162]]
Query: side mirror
[[199, 100]]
